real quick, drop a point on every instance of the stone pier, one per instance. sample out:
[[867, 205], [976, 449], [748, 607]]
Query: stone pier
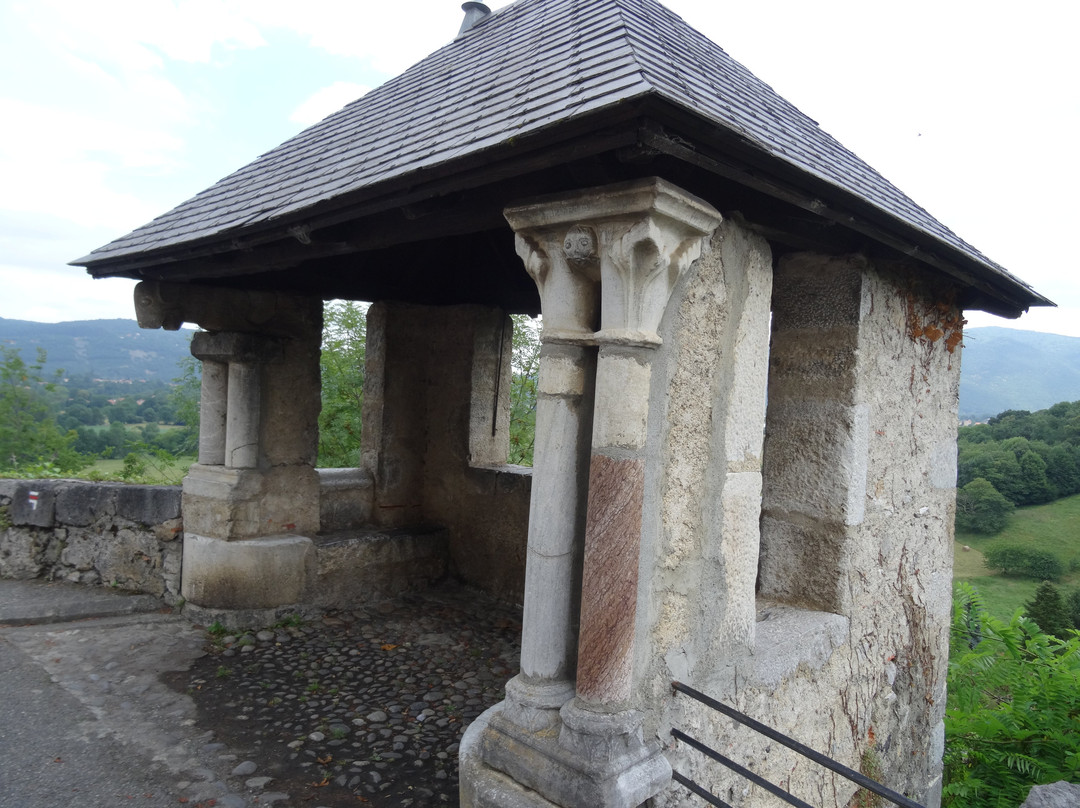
[[251, 503], [616, 252]]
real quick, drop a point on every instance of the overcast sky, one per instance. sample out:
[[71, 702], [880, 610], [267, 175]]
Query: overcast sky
[[113, 112]]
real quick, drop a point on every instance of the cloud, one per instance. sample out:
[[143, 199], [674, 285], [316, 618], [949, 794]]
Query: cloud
[[327, 101], [136, 34], [61, 163], [390, 35]]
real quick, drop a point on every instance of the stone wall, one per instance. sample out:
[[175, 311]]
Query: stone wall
[[127, 536], [844, 644], [435, 379]]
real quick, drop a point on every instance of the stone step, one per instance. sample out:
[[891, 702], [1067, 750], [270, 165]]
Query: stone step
[[363, 565]]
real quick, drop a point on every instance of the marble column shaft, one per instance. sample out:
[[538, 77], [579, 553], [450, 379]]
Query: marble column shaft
[[613, 535], [563, 417], [569, 298]]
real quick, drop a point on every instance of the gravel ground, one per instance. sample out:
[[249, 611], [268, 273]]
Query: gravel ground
[[359, 707]]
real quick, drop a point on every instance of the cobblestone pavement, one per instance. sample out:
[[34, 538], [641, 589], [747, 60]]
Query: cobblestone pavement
[[359, 707]]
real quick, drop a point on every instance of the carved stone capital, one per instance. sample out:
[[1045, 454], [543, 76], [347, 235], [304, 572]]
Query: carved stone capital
[[568, 281], [645, 234]]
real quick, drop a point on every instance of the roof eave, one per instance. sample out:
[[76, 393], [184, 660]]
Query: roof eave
[[707, 145]]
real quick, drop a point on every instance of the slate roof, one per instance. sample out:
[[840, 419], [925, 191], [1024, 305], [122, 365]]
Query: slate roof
[[530, 66]]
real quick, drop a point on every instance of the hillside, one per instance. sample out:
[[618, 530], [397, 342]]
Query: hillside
[[1006, 369], [1002, 369], [100, 349]]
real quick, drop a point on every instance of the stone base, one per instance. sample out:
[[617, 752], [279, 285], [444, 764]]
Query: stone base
[[233, 504], [361, 566], [250, 574], [591, 761], [241, 619], [484, 787]]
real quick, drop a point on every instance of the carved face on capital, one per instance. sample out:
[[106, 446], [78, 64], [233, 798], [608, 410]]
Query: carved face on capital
[[579, 246]]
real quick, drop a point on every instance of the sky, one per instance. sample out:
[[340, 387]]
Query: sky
[[114, 112]]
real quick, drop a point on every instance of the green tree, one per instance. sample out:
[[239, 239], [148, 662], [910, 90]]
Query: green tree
[[1048, 610], [184, 403], [28, 432], [980, 508], [1036, 486], [1072, 606], [342, 368], [524, 375], [124, 411]]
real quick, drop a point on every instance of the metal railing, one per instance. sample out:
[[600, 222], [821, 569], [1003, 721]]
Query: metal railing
[[856, 777]]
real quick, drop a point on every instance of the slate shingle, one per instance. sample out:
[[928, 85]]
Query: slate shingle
[[530, 65]]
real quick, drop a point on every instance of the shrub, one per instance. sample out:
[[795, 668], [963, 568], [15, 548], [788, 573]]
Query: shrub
[[1013, 698], [1015, 559]]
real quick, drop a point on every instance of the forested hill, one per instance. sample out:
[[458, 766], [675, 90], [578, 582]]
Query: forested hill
[[100, 349], [1002, 368], [1006, 369]]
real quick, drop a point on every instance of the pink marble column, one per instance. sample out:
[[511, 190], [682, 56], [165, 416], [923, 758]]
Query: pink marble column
[[654, 233], [609, 595]]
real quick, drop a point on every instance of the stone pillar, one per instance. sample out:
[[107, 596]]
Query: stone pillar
[[637, 238], [242, 416], [212, 408], [565, 267], [655, 231], [817, 432], [252, 501]]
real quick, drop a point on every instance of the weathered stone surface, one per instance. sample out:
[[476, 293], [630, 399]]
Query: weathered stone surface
[[345, 498], [1054, 795], [419, 403], [110, 533], [80, 504], [361, 566], [33, 503], [259, 573], [148, 504], [857, 524]]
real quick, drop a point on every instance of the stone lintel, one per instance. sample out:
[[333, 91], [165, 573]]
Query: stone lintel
[[234, 346], [159, 304]]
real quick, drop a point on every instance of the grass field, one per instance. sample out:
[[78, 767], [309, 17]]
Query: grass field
[[1054, 527], [171, 474]]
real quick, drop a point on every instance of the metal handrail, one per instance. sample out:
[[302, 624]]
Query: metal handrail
[[856, 777]]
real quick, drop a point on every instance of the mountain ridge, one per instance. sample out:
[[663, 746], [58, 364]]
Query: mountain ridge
[[115, 349], [1001, 368]]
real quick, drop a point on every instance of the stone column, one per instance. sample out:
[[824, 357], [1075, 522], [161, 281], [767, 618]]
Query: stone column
[[565, 266], [242, 416], [212, 408], [652, 232], [251, 503], [637, 238]]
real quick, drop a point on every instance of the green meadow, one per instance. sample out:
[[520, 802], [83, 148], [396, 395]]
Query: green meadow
[[1054, 527]]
